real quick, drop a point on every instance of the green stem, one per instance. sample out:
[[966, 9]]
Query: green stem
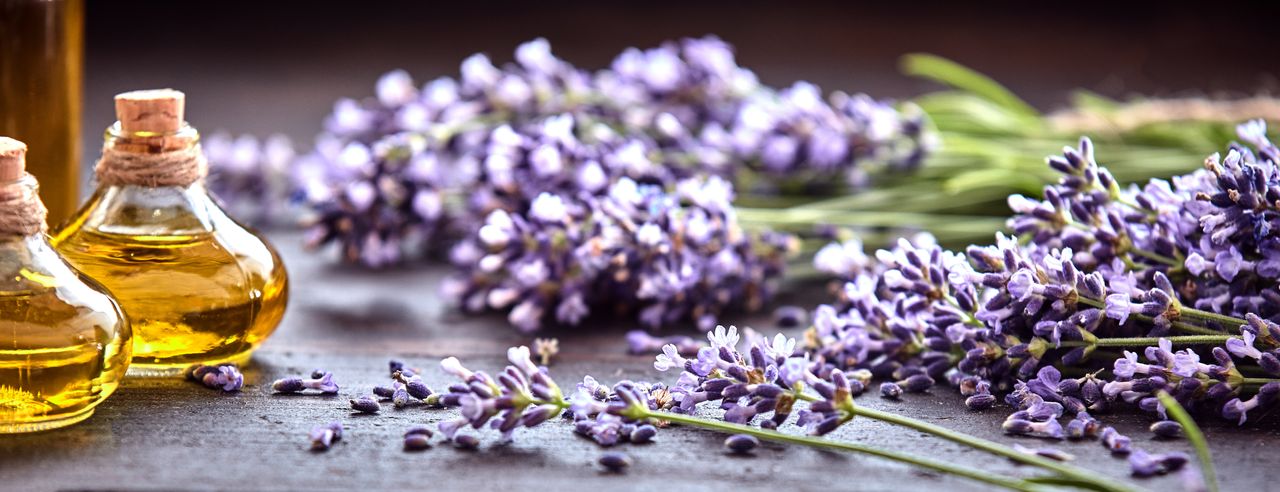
[[816, 442], [1208, 316], [1065, 470], [1174, 409], [1149, 341]]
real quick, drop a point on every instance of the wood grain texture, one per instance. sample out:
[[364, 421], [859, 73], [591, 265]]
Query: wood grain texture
[[158, 434]]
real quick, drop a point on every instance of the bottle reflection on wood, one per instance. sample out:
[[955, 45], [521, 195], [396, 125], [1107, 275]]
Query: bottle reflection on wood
[[41, 58]]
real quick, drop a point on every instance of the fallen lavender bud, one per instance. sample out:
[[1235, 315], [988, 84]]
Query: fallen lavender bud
[[890, 390], [401, 398], [1048, 429], [980, 401], [1115, 441], [383, 391], [790, 316], [546, 349], [1166, 429], [1083, 426], [466, 441], [741, 443], [365, 404], [918, 383], [323, 436], [1143, 464], [413, 385], [225, 376], [324, 384], [614, 461], [417, 438], [644, 433]]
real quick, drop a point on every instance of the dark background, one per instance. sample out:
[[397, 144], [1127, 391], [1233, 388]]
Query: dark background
[[266, 67]]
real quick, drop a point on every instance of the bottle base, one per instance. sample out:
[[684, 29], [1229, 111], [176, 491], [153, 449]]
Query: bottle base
[[166, 369], [44, 425]]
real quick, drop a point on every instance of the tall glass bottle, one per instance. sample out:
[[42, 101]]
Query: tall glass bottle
[[41, 64], [198, 287], [64, 343]]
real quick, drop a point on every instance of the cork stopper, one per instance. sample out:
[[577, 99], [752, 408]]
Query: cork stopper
[[154, 111], [13, 159]]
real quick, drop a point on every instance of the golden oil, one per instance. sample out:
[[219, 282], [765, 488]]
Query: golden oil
[[198, 287], [64, 343]]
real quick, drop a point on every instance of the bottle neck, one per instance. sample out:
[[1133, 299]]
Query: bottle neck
[[151, 159], [21, 211]]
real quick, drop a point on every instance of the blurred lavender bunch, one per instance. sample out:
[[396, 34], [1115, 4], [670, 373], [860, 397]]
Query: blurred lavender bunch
[[668, 255], [1102, 267], [502, 135], [251, 177]]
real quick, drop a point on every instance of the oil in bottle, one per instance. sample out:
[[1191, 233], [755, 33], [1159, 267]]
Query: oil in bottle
[[198, 287], [64, 342]]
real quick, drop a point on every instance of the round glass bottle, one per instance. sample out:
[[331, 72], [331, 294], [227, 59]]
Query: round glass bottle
[[64, 342], [198, 287]]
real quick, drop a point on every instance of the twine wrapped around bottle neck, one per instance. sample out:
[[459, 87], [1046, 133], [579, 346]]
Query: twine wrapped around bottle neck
[[21, 211], [180, 167]]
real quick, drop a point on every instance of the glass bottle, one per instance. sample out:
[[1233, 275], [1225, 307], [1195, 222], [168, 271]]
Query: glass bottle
[[64, 343], [41, 65], [198, 287]]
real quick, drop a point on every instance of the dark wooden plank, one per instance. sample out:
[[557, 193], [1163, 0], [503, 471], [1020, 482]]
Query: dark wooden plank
[[174, 435]]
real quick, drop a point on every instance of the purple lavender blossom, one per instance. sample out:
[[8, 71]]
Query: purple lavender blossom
[[666, 256], [225, 377], [324, 384]]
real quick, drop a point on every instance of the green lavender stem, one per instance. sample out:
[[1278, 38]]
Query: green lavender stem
[[1066, 471], [817, 442], [1194, 435], [1150, 341]]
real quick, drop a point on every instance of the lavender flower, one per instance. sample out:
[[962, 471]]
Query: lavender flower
[[324, 384], [666, 256], [323, 436], [614, 461], [503, 135], [1143, 464], [741, 443], [521, 396], [251, 177], [417, 438], [225, 377], [365, 404]]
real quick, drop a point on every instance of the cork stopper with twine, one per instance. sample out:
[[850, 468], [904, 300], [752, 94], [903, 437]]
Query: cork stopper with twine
[[21, 211], [151, 149]]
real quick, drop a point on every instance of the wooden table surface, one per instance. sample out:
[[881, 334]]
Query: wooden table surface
[[169, 434]]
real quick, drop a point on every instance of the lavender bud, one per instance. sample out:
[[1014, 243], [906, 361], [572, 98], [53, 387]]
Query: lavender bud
[[614, 461], [917, 384], [466, 441], [416, 442], [383, 391], [417, 389], [1167, 429], [981, 401], [890, 390], [643, 434], [365, 404], [741, 443], [288, 385]]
